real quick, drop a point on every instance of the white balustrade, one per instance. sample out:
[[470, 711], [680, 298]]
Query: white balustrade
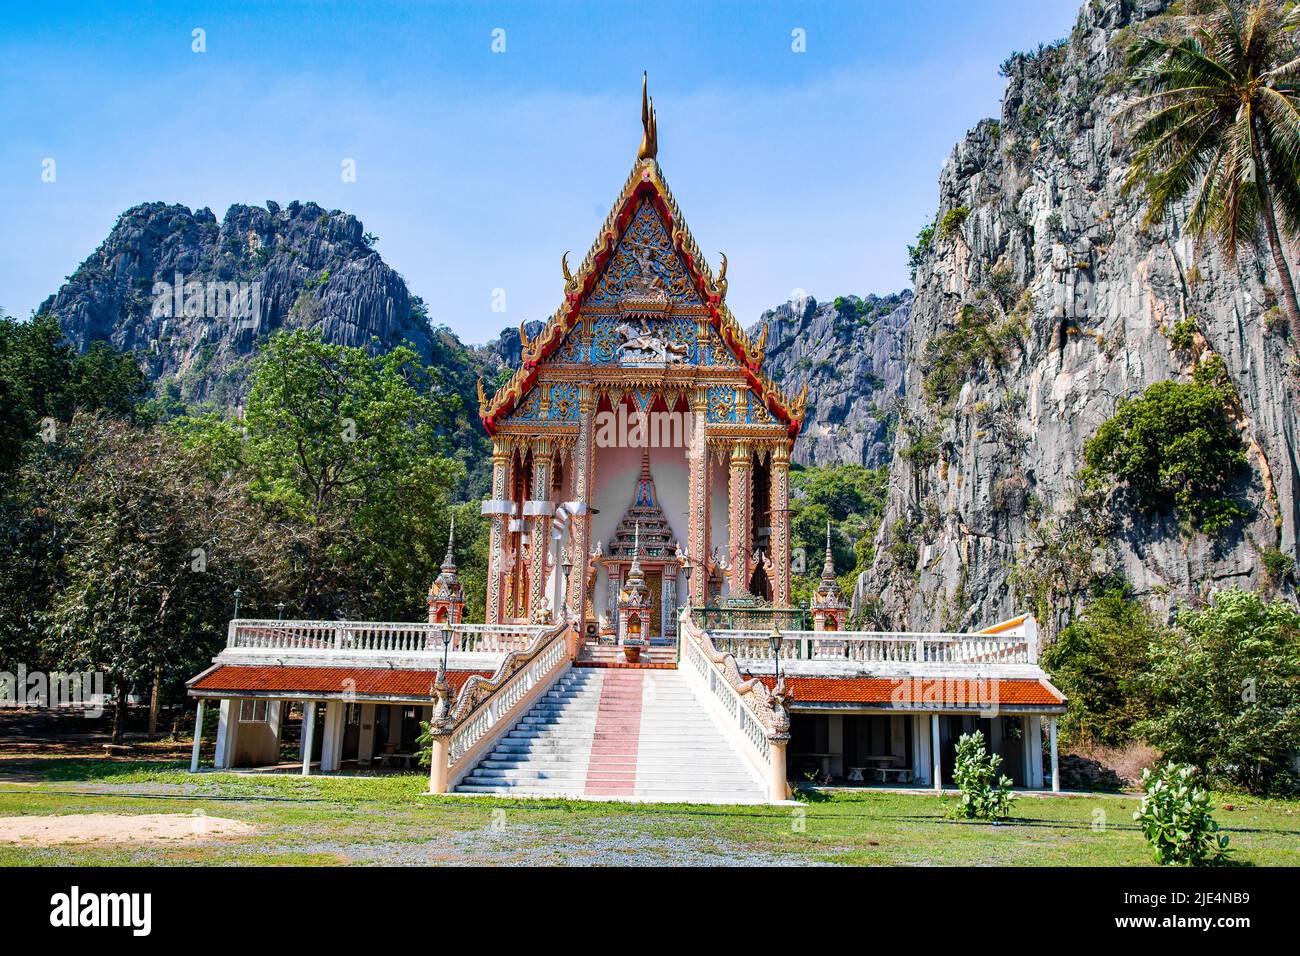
[[720, 686], [378, 637], [505, 698], [877, 647]]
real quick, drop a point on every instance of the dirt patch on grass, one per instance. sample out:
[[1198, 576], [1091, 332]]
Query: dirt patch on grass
[[117, 828]]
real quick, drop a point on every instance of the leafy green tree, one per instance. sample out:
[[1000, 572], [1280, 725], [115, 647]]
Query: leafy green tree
[[146, 549], [1100, 661], [1174, 447], [346, 448], [42, 376], [1227, 691], [852, 499], [1217, 116]]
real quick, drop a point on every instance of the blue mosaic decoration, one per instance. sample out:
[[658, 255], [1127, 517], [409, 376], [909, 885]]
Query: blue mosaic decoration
[[644, 254], [564, 404], [604, 342], [719, 354], [757, 413], [722, 404], [571, 350], [561, 406], [530, 409]]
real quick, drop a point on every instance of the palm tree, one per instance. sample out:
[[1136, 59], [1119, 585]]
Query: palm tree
[[1218, 115]]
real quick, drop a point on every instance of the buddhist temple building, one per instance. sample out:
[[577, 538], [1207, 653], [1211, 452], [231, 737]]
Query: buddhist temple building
[[640, 639], [642, 397]]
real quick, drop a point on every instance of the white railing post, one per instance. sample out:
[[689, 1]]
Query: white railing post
[[198, 738]]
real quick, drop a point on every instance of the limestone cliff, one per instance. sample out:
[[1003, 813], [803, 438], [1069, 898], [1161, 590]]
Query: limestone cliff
[[982, 518], [850, 353], [193, 299]]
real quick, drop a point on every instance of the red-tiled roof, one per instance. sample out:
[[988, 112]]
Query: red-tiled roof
[[951, 692], [380, 681]]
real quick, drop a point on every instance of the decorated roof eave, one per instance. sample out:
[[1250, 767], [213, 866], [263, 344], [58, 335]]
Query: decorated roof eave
[[646, 179]]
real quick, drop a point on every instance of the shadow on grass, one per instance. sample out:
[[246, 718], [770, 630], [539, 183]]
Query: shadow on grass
[[100, 769]]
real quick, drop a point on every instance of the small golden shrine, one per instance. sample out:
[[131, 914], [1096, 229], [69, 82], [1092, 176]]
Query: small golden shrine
[[830, 608], [446, 596]]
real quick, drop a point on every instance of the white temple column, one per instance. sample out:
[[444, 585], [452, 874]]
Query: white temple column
[[198, 737], [332, 745], [921, 765], [1036, 750], [366, 742], [308, 736], [935, 752], [1056, 769], [226, 722]]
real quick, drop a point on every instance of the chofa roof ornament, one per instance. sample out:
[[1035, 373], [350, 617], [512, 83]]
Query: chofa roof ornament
[[649, 148]]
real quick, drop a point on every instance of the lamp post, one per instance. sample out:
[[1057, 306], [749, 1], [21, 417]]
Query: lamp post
[[446, 645], [280, 611], [238, 595], [567, 568], [686, 573], [774, 641]]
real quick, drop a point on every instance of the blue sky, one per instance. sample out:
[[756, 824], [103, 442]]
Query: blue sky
[[478, 169]]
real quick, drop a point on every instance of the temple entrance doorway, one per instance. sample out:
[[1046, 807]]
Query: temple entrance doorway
[[654, 580]]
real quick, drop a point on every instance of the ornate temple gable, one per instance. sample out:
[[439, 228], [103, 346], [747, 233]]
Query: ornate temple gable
[[645, 273], [630, 290]]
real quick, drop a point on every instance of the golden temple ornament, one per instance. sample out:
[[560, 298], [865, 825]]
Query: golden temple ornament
[[650, 130]]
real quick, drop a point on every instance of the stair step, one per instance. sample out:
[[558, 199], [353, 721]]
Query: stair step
[[618, 733]]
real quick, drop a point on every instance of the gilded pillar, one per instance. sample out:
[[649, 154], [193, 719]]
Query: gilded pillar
[[697, 545], [498, 514], [584, 461], [539, 510], [779, 516], [741, 518]]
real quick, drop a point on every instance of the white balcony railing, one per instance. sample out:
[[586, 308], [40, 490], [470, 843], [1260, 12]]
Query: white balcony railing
[[377, 637], [879, 647]]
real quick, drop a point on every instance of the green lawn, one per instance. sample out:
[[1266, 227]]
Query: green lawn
[[388, 820]]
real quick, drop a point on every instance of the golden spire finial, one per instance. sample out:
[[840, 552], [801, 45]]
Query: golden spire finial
[[650, 130]]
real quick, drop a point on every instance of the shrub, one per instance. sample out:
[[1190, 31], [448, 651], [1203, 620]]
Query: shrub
[[1174, 446], [923, 450], [1226, 691], [982, 337], [1277, 564], [952, 222], [985, 795], [1100, 662], [1176, 820], [1183, 334], [916, 254]]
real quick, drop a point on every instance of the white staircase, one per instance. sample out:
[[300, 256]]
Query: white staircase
[[632, 734]]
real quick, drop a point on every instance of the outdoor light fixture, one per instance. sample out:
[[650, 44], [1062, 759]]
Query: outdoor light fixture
[[280, 609], [446, 644], [566, 567], [238, 595], [774, 641]]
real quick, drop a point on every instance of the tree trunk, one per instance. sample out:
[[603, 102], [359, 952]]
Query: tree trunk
[[1275, 245], [119, 712], [154, 696]]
